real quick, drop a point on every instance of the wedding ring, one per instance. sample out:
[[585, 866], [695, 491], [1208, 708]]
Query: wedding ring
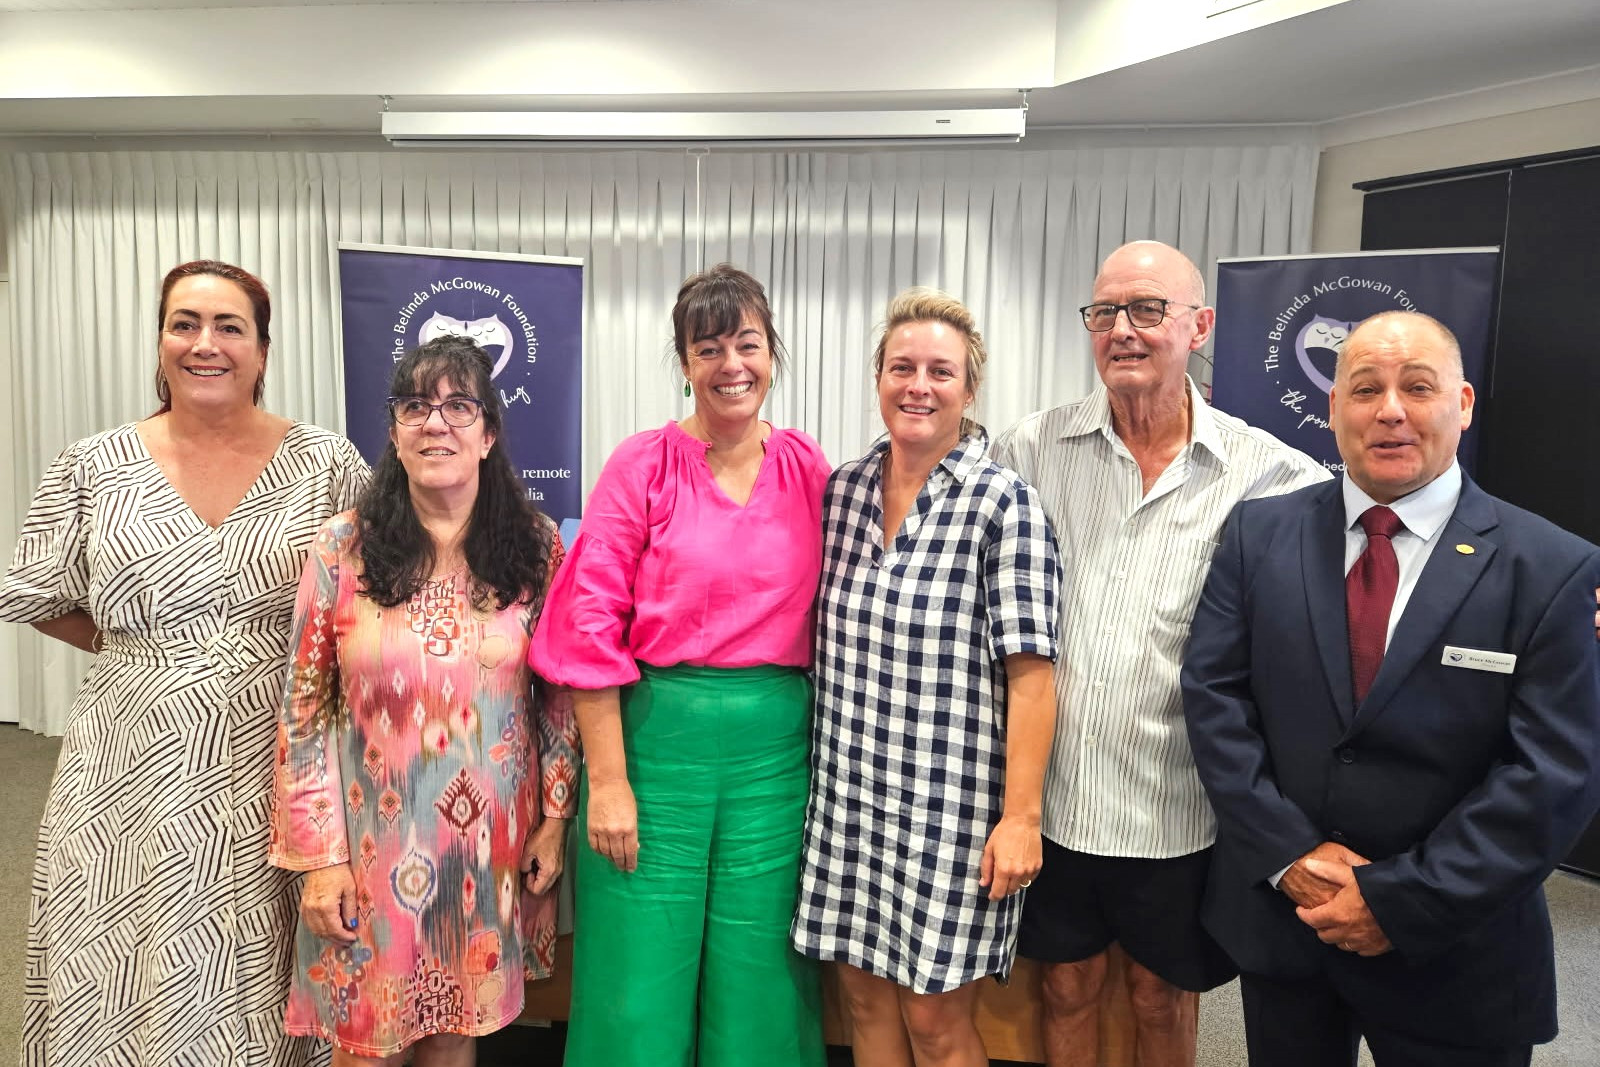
[[1025, 883]]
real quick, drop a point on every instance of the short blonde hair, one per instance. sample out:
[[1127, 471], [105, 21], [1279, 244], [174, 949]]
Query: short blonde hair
[[922, 304]]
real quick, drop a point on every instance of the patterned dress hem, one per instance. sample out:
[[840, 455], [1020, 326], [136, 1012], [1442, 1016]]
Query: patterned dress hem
[[303, 864], [380, 1051]]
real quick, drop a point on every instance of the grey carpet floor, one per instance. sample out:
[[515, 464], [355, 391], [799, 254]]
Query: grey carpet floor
[[27, 761], [1575, 918]]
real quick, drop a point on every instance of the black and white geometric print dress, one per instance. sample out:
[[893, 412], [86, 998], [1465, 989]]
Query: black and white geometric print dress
[[157, 934], [910, 726]]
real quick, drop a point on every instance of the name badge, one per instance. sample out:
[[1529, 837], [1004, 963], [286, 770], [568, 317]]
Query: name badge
[[1479, 659]]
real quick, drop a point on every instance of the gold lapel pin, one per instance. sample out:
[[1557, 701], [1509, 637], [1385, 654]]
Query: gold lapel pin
[[1465, 550]]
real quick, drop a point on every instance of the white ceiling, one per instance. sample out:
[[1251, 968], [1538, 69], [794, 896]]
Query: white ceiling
[[1354, 58]]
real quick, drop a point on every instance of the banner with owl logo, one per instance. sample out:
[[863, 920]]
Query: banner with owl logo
[[526, 312], [1282, 320]]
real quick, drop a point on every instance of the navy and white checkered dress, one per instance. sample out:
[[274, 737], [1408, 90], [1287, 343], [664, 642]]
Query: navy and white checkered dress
[[910, 733]]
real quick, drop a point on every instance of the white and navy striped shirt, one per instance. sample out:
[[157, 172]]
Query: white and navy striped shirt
[[1122, 780]]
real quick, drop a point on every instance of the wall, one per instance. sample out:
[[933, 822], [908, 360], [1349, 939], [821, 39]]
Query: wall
[[1336, 220]]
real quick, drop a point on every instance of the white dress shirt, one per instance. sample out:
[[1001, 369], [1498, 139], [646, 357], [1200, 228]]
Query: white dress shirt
[[1424, 513]]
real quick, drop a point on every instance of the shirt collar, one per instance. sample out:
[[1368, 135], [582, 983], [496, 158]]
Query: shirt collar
[[961, 460], [1095, 416], [1422, 510], [1206, 432]]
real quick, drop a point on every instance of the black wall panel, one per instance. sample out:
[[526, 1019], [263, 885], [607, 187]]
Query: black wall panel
[[1539, 411], [1444, 214], [1541, 445]]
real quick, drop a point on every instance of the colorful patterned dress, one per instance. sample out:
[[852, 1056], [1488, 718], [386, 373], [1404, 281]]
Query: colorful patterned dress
[[407, 747]]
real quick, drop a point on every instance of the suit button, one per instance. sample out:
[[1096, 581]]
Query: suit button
[[1336, 836], [1347, 755]]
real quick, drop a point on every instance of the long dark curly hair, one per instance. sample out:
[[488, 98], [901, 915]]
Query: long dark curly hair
[[508, 539]]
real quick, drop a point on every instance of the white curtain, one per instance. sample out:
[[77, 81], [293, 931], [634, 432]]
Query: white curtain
[[1016, 234]]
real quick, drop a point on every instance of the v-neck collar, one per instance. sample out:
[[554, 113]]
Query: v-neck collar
[[699, 449], [255, 484], [956, 466]]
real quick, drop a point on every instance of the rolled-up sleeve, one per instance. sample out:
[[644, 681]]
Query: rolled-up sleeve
[[1022, 579]]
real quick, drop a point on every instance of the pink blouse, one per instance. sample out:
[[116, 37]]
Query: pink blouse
[[666, 569]]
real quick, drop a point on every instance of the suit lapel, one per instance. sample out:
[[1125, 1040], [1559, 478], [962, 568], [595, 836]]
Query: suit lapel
[[1445, 582], [1322, 562]]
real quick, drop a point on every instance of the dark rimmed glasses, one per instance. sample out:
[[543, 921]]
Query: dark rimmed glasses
[[1098, 318], [458, 411]]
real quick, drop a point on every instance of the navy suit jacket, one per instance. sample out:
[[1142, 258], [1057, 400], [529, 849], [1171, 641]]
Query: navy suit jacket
[[1464, 787]]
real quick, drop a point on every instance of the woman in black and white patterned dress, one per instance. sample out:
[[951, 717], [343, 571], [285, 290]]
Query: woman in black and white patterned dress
[[935, 706], [171, 548]]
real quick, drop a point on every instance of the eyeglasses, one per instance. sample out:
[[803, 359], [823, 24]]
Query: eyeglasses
[[1099, 318], [458, 411]]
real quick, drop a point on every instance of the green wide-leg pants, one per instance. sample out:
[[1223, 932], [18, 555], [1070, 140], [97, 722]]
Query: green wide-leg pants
[[686, 960]]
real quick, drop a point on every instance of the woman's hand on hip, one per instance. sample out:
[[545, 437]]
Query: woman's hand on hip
[[614, 822], [328, 903], [543, 854], [1012, 856]]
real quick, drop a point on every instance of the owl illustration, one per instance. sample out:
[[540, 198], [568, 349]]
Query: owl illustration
[[1317, 348], [487, 333]]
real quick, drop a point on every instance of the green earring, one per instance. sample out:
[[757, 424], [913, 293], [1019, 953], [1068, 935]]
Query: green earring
[[686, 387]]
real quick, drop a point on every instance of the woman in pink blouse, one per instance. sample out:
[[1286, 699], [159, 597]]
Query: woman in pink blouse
[[682, 620]]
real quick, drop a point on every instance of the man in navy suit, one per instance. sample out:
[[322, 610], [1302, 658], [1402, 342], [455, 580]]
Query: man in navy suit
[[1393, 696]]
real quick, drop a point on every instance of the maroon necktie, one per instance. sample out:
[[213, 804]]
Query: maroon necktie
[[1369, 594]]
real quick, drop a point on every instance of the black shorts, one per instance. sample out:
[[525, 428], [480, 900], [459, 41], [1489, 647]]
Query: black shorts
[[1079, 904]]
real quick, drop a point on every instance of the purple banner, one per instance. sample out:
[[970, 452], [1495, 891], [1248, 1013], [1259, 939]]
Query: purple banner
[[1281, 323], [525, 311]]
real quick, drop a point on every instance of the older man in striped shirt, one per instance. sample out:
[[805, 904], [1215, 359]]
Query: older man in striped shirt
[[1137, 478]]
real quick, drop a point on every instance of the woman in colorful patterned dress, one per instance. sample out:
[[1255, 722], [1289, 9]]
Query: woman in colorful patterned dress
[[683, 622], [424, 781], [935, 706], [170, 547]]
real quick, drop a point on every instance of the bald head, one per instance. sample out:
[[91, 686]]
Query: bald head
[[1399, 404], [1154, 259], [1405, 329], [1145, 367]]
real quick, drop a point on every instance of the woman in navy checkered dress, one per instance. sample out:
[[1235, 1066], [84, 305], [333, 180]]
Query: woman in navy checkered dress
[[935, 708]]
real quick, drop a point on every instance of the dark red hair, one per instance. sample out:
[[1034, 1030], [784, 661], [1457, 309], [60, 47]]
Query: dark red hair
[[254, 289]]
